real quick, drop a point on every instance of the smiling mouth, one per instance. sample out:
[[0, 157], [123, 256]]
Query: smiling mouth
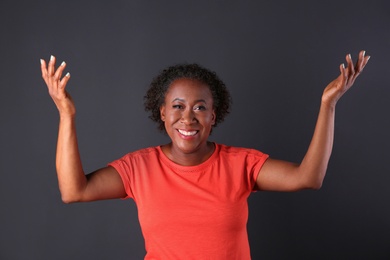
[[187, 133]]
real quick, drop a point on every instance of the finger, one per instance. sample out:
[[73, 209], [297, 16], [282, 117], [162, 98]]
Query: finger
[[360, 63], [343, 74], [43, 69], [364, 59], [59, 71], [362, 54], [351, 69], [50, 67], [64, 80]]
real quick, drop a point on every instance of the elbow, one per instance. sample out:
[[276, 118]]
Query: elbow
[[310, 183], [313, 180], [315, 184], [69, 198], [71, 193]]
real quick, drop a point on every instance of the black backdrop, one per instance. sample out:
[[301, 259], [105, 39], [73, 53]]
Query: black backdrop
[[275, 56]]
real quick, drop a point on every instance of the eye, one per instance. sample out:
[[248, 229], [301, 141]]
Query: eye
[[200, 108], [177, 106]]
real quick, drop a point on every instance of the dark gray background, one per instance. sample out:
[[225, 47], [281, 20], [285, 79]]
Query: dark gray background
[[275, 56]]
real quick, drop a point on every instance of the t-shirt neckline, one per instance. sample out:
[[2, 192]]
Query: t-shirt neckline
[[189, 169]]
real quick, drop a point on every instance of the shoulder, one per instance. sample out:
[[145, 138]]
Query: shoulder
[[247, 161], [234, 151], [150, 151], [140, 155]]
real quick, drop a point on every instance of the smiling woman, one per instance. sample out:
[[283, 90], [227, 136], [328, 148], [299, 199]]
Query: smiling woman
[[188, 114], [191, 194], [155, 96]]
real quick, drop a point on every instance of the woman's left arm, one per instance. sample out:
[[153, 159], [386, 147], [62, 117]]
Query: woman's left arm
[[278, 175]]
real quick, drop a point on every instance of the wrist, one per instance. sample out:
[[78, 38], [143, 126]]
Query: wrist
[[328, 105], [67, 116], [328, 100]]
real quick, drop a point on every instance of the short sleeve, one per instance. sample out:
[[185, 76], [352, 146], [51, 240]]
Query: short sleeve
[[243, 162], [255, 161], [125, 170]]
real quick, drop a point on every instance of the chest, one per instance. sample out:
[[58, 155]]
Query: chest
[[205, 200]]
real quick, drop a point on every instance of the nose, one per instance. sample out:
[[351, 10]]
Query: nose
[[188, 117]]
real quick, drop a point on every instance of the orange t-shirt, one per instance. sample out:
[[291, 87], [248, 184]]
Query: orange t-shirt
[[192, 212]]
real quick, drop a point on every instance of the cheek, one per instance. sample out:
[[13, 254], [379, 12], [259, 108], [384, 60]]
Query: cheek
[[172, 115], [209, 120]]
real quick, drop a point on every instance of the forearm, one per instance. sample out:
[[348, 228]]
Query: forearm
[[314, 164], [278, 175], [104, 183], [71, 178]]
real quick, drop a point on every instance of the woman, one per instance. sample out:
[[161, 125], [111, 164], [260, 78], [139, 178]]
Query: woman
[[191, 194]]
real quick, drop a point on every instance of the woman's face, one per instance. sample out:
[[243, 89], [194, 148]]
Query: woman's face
[[188, 115]]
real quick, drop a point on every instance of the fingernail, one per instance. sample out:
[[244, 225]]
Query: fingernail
[[41, 60], [349, 55], [63, 63], [67, 74], [368, 57], [342, 64], [364, 53], [51, 57]]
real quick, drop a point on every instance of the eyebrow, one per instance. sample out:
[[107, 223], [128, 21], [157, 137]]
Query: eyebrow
[[183, 100]]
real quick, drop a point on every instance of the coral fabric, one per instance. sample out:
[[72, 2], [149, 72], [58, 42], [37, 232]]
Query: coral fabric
[[192, 212]]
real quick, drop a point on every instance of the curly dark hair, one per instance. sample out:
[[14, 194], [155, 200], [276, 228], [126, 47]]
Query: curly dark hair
[[155, 96]]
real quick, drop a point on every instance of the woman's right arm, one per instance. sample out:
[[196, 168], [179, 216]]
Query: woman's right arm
[[74, 185]]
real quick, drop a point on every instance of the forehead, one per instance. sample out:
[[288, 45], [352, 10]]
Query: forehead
[[188, 89]]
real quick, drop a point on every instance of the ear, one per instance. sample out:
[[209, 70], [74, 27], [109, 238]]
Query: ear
[[214, 117], [162, 112]]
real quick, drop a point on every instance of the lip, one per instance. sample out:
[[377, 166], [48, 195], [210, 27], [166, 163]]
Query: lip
[[183, 136]]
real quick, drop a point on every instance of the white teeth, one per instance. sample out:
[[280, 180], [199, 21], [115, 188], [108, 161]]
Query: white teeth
[[186, 133]]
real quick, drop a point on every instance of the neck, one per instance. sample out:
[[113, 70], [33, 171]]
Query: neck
[[192, 158]]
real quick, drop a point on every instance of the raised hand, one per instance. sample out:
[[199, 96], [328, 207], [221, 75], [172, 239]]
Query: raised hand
[[56, 86], [336, 89]]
